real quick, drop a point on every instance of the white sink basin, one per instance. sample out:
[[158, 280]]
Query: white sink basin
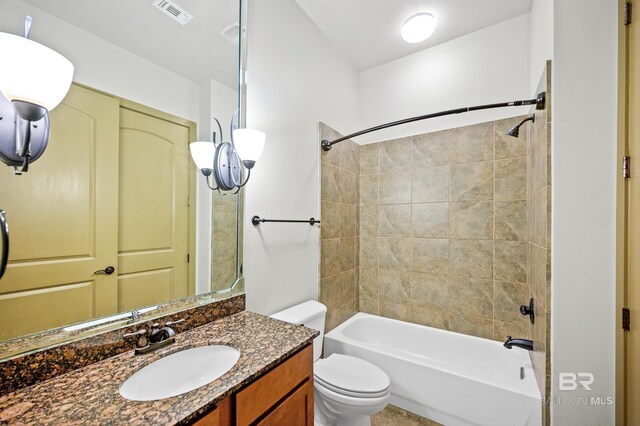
[[179, 373]]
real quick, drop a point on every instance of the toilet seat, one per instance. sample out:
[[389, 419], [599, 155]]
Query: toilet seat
[[349, 376]]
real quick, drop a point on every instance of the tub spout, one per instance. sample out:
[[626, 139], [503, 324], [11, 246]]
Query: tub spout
[[521, 343]]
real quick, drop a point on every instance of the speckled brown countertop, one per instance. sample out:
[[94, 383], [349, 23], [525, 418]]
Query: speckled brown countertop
[[89, 396]]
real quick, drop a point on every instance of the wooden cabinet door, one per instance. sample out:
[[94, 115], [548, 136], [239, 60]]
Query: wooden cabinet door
[[295, 410], [153, 235], [63, 217]]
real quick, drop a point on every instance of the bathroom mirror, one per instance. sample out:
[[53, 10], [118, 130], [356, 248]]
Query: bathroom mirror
[[114, 220]]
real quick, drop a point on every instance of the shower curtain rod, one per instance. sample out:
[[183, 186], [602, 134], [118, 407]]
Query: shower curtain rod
[[539, 102]]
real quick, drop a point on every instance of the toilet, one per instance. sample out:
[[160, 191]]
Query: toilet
[[347, 390]]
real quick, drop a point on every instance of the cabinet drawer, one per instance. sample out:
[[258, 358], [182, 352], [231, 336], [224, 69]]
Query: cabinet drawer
[[295, 410], [257, 398], [222, 415]]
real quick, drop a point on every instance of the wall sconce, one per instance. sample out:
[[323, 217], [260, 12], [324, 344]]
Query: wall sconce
[[223, 160], [33, 79]]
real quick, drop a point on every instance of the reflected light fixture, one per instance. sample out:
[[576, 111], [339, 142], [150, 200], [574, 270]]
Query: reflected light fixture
[[225, 161], [34, 79], [418, 27]]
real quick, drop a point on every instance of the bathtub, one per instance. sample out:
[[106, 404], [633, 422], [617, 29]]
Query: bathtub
[[448, 377]]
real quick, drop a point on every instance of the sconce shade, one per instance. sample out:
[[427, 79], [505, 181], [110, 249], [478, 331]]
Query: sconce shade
[[202, 153], [33, 73], [249, 144]]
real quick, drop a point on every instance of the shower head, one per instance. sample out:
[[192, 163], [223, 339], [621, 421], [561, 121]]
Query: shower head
[[515, 130]]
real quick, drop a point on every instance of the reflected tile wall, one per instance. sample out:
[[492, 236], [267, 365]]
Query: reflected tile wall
[[443, 228], [339, 255]]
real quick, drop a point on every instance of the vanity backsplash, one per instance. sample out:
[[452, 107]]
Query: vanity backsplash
[[27, 369]]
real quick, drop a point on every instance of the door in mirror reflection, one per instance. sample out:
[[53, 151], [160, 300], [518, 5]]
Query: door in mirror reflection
[[153, 237], [62, 221], [113, 190]]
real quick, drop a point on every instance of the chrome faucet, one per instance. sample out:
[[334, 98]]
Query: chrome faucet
[[154, 339], [521, 343]]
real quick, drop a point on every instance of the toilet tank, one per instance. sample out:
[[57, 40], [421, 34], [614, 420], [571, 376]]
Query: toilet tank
[[310, 314]]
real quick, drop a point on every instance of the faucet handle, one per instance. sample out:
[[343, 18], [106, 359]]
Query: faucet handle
[[172, 323], [141, 332], [142, 341]]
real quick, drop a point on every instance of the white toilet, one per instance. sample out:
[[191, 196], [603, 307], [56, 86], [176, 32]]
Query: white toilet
[[347, 390]]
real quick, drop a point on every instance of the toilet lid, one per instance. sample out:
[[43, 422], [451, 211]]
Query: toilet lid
[[351, 376]]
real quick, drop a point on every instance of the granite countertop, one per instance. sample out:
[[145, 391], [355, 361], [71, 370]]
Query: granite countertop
[[90, 395]]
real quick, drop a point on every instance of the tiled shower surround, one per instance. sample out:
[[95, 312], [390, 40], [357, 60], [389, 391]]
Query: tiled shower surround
[[441, 223], [449, 229]]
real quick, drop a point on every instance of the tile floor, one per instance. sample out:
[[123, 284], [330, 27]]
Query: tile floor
[[394, 416]]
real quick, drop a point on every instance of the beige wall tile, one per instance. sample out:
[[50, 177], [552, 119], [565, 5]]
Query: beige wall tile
[[348, 310], [395, 155], [330, 226], [394, 253], [538, 273], [394, 285], [430, 220], [368, 306], [430, 185], [503, 329], [349, 156], [368, 189], [471, 181], [348, 253], [430, 317], [368, 221], [430, 291], [511, 179], [472, 258], [368, 283], [330, 292], [480, 327], [471, 296], [471, 220], [329, 183], [510, 261], [395, 310], [394, 220], [509, 146], [329, 257], [431, 149], [368, 248], [511, 220], [347, 183], [394, 188], [369, 159], [429, 255], [539, 164], [507, 299], [333, 319], [348, 217], [539, 219], [472, 143], [347, 282]]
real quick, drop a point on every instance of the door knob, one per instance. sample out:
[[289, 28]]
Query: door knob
[[107, 271]]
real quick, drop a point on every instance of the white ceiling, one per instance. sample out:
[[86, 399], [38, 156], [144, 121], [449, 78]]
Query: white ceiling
[[196, 51], [367, 32]]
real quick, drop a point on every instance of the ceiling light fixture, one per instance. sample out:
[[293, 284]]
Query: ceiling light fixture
[[419, 27]]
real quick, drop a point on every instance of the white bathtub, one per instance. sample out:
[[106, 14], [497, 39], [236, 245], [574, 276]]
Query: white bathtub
[[448, 377]]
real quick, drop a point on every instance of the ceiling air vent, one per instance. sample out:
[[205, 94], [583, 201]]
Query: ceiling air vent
[[232, 33], [174, 11]]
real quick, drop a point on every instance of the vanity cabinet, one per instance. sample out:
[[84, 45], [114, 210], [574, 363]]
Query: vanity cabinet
[[283, 396]]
